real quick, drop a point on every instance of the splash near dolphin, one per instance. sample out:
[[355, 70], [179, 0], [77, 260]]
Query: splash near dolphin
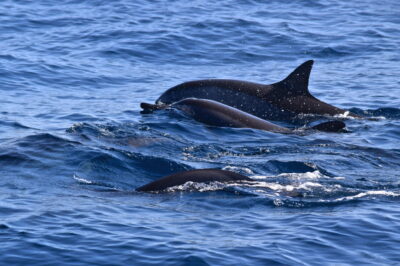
[[281, 101], [218, 114]]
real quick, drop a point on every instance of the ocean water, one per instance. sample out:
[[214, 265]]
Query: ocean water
[[74, 145]]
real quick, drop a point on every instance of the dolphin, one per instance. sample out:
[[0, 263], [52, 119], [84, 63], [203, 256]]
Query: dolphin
[[281, 101], [200, 176], [218, 114]]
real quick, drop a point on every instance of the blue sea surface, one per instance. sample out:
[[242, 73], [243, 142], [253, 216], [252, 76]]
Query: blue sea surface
[[74, 145]]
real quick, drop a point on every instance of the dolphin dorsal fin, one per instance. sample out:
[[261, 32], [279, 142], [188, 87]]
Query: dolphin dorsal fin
[[297, 81]]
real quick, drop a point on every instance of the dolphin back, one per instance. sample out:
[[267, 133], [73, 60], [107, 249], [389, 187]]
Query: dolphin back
[[330, 126], [200, 176]]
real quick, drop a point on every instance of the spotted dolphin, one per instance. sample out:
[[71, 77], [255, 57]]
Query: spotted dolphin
[[281, 101], [218, 114], [199, 176]]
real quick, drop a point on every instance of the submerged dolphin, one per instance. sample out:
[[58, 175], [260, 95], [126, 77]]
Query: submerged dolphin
[[200, 176], [283, 100], [218, 114]]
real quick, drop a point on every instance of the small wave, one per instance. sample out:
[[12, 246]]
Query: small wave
[[14, 124], [366, 194], [295, 167], [302, 202], [380, 113], [79, 117], [125, 135], [49, 138], [81, 180], [14, 158], [240, 170], [98, 186], [329, 52]]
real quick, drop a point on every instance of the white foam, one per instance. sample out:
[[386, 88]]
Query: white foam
[[260, 177], [238, 169], [307, 175], [82, 180], [344, 115], [303, 115], [369, 193], [339, 178], [278, 202], [298, 176], [376, 118], [278, 187], [195, 186], [76, 125], [106, 132]]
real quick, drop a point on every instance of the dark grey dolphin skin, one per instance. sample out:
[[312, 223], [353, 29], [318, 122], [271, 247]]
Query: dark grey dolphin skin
[[281, 101], [200, 175], [218, 114]]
